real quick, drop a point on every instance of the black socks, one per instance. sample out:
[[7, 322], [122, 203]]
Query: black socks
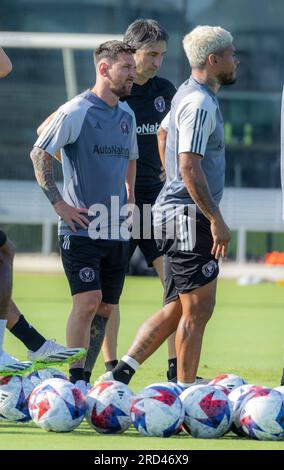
[[76, 373], [109, 365], [123, 372], [172, 370], [27, 334]]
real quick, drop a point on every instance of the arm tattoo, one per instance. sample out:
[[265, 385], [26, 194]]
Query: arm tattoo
[[198, 189], [43, 168], [201, 196]]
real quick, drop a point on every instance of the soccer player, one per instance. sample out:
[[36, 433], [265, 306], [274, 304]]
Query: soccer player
[[150, 100], [97, 135], [41, 351], [195, 169]]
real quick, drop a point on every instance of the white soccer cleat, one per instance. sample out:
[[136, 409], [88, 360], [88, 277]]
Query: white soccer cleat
[[53, 353], [83, 386], [9, 365], [106, 377]]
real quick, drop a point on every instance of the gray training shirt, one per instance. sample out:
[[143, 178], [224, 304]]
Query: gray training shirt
[[194, 125], [96, 142]]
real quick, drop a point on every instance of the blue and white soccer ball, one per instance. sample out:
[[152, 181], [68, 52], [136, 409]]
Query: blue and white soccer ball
[[170, 385], [57, 405], [262, 417], [38, 376], [14, 396], [230, 381], [208, 412], [157, 411], [280, 389], [238, 398], [108, 407]]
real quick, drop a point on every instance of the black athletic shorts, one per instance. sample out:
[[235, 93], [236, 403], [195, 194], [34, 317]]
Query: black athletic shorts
[[147, 245], [184, 269], [94, 265]]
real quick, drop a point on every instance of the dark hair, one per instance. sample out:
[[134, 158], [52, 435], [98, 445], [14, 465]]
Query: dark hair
[[142, 32], [111, 49]]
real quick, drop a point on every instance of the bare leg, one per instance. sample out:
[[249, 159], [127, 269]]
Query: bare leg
[[159, 268], [13, 315], [98, 328], [197, 308], [155, 331], [7, 252], [8, 364], [109, 347], [79, 323]]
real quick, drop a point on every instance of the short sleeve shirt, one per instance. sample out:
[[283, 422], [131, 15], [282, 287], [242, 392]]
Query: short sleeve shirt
[[96, 141], [194, 125]]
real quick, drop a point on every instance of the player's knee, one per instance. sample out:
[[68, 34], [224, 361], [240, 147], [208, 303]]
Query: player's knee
[[89, 303], [172, 313], [200, 312], [105, 310]]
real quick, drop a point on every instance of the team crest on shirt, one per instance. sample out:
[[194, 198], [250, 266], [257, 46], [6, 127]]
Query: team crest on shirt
[[124, 127], [209, 268], [160, 104], [87, 274]]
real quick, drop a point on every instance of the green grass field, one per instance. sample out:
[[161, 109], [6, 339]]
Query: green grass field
[[245, 337]]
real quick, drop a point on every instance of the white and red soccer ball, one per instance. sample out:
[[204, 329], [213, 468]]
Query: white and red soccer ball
[[262, 416], [170, 385], [108, 407], [157, 411], [238, 397], [208, 412], [38, 376], [14, 395], [229, 381], [57, 405]]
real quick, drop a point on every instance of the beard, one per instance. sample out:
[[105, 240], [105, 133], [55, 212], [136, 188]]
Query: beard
[[121, 91], [225, 79]]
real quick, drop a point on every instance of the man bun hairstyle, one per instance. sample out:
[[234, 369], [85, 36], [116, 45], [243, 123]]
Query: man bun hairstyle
[[203, 41], [145, 31]]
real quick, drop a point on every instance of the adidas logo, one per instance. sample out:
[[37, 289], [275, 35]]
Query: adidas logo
[[126, 371], [3, 397], [98, 126], [66, 242], [120, 393]]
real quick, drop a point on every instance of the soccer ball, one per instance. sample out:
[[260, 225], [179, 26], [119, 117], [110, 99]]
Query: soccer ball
[[14, 395], [157, 411], [208, 412], [170, 385], [262, 417], [280, 389], [223, 389], [230, 381], [57, 405], [108, 407], [238, 397], [39, 376]]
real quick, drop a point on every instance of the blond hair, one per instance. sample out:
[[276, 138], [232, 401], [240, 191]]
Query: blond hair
[[203, 41]]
